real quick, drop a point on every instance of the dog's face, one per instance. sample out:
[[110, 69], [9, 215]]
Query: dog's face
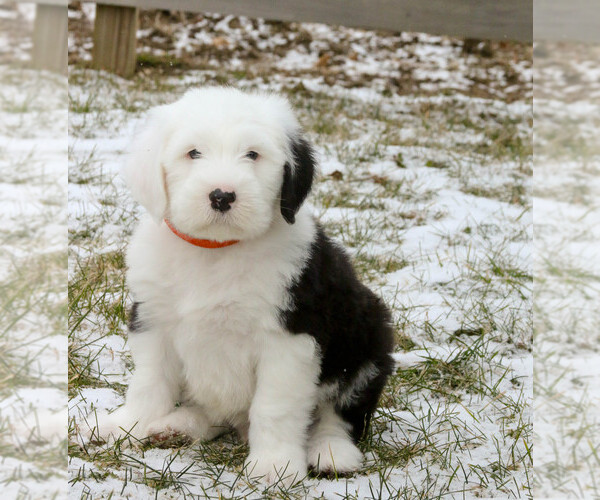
[[221, 164]]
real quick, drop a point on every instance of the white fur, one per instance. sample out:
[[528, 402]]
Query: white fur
[[330, 447], [347, 396], [212, 340]]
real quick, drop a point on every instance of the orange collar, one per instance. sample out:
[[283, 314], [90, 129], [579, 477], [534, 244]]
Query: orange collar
[[199, 242]]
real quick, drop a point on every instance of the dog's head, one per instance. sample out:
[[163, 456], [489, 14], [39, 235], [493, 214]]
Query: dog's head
[[221, 164]]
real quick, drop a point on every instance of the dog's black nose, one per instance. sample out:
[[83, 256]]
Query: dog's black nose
[[220, 200]]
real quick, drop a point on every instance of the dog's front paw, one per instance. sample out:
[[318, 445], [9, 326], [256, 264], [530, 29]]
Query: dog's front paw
[[271, 468], [335, 455]]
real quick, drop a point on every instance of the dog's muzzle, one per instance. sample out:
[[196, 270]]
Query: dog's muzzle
[[221, 201]]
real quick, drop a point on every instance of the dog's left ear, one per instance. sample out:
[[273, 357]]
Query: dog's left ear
[[143, 171], [297, 178]]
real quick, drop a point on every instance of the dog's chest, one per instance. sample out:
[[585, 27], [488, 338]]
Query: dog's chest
[[222, 316], [216, 308], [217, 314], [227, 297], [216, 340], [238, 289], [218, 369]]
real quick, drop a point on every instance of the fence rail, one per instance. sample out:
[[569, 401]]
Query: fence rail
[[495, 19], [577, 20], [114, 46], [116, 21]]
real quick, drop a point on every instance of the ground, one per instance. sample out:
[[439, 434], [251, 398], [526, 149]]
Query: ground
[[425, 151], [426, 158]]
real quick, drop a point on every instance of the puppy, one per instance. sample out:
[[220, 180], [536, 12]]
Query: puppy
[[245, 313]]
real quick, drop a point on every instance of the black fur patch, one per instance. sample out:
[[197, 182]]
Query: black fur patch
[[134, 322], [350, 323], [298, 180]]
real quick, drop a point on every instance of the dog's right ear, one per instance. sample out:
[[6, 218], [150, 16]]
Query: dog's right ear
[[143, 171]]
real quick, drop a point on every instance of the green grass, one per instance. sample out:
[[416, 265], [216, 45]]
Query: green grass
[[97, 308]]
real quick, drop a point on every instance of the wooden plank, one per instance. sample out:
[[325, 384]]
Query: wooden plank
[[50, 34], [575, 20], [64, 3], [493, 19], [114, 39]]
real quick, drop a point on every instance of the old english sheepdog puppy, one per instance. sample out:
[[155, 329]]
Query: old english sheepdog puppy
[[246, 314]]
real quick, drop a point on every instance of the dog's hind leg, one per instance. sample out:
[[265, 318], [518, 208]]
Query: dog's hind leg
[[331, 449]]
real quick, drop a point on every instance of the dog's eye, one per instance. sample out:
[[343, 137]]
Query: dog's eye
[[194, 154], [252, 155]]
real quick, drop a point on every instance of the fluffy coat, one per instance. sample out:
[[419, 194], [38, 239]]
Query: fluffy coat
[[274, 335]]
